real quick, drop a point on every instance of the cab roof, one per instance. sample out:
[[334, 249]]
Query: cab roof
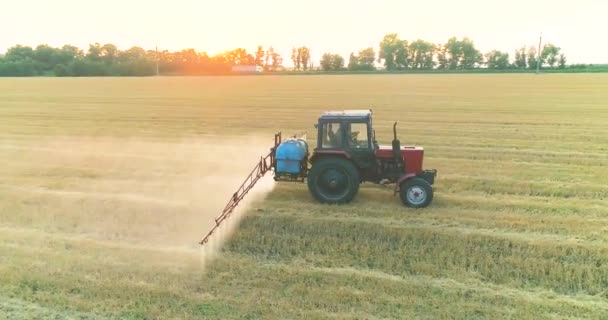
[[346, 115]]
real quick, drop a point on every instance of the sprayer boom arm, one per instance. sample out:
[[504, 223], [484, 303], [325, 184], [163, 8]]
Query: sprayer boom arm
[[264, 165]]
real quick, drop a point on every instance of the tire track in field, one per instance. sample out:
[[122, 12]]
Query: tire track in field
[[130, 197]]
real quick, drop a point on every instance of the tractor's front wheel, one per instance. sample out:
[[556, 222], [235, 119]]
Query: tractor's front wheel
[[416, 193], [333, 180]]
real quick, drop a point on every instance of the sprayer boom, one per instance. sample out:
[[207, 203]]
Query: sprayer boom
[[264, 165]]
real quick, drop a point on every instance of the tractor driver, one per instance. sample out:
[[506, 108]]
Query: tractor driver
[[335, 138], [351, 137]]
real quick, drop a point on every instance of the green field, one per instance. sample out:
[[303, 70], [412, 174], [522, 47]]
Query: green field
[[108, 183]]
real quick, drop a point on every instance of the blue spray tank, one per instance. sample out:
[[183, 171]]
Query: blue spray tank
[[291, 155]]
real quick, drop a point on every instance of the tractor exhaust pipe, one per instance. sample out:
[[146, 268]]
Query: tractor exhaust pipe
[[395, 131], [396, 145]]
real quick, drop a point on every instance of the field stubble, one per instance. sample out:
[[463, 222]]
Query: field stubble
[[110, 182]]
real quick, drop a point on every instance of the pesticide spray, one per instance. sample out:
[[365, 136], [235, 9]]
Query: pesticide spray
[[228, 226], [146, 193]]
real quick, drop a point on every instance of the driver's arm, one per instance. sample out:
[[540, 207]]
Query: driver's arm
[[353, 139]]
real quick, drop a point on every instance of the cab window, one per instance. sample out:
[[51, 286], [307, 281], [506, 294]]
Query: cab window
[[331, 135], [357, 135]]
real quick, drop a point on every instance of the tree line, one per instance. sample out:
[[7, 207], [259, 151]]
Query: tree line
[[456, 54], [108, 60], [394, 54]]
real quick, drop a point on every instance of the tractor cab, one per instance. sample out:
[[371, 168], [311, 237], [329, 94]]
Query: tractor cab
[[347, 133], [345, 130]]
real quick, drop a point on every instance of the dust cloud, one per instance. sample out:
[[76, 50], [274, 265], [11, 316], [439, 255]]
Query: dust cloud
[[154, 194]]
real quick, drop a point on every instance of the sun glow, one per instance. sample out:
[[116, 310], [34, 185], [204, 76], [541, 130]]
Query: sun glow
[[339, 26]]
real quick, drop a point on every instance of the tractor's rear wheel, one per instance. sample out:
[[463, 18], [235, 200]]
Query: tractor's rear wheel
[[416, 193], [333, 180]]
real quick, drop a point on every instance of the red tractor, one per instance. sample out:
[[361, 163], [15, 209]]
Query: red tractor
[[346, 155]]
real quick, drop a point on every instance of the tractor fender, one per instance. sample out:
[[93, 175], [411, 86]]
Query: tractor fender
[[403, 179], [320, 153]]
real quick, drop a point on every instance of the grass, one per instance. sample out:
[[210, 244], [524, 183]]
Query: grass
[[108, 184]]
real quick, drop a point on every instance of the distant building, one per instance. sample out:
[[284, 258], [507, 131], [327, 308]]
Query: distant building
[[247, 68]]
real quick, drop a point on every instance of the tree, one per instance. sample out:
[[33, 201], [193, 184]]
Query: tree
[[132, 54], [19, 53], [277, 61], [132, 62], [295, 58], [326, 61], [94, 53], [471, 57], [458, 54], [240, 56], [562, 61], [304, 54], [461, 54], [401, 55], [61, 70], [421, 55], [393, 52], [187, 61], [332, 62], [532, 57], [338, 62], [259, 56], [550, 54], [267, 56], [23, 68], [44, 54], [454, 55], [442, 58], [366, 59], [108, 53], [299, 58], [497, 60], [69, 53], [219, 63], [18, 62], [520, 58], [353, 62], [186, 57], [387, 51]]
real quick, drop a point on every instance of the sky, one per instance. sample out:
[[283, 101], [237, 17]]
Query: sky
[[338, 26]]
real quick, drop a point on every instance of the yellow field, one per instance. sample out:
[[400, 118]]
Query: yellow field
[[107, 185]]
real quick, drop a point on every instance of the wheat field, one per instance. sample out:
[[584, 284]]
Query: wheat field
[[108, 184]]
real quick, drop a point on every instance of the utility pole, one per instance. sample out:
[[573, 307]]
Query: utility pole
[[157, 59], [538, 58]]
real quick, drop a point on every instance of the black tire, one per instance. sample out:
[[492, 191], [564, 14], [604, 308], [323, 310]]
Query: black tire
[[416, 193], [333, 180]]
